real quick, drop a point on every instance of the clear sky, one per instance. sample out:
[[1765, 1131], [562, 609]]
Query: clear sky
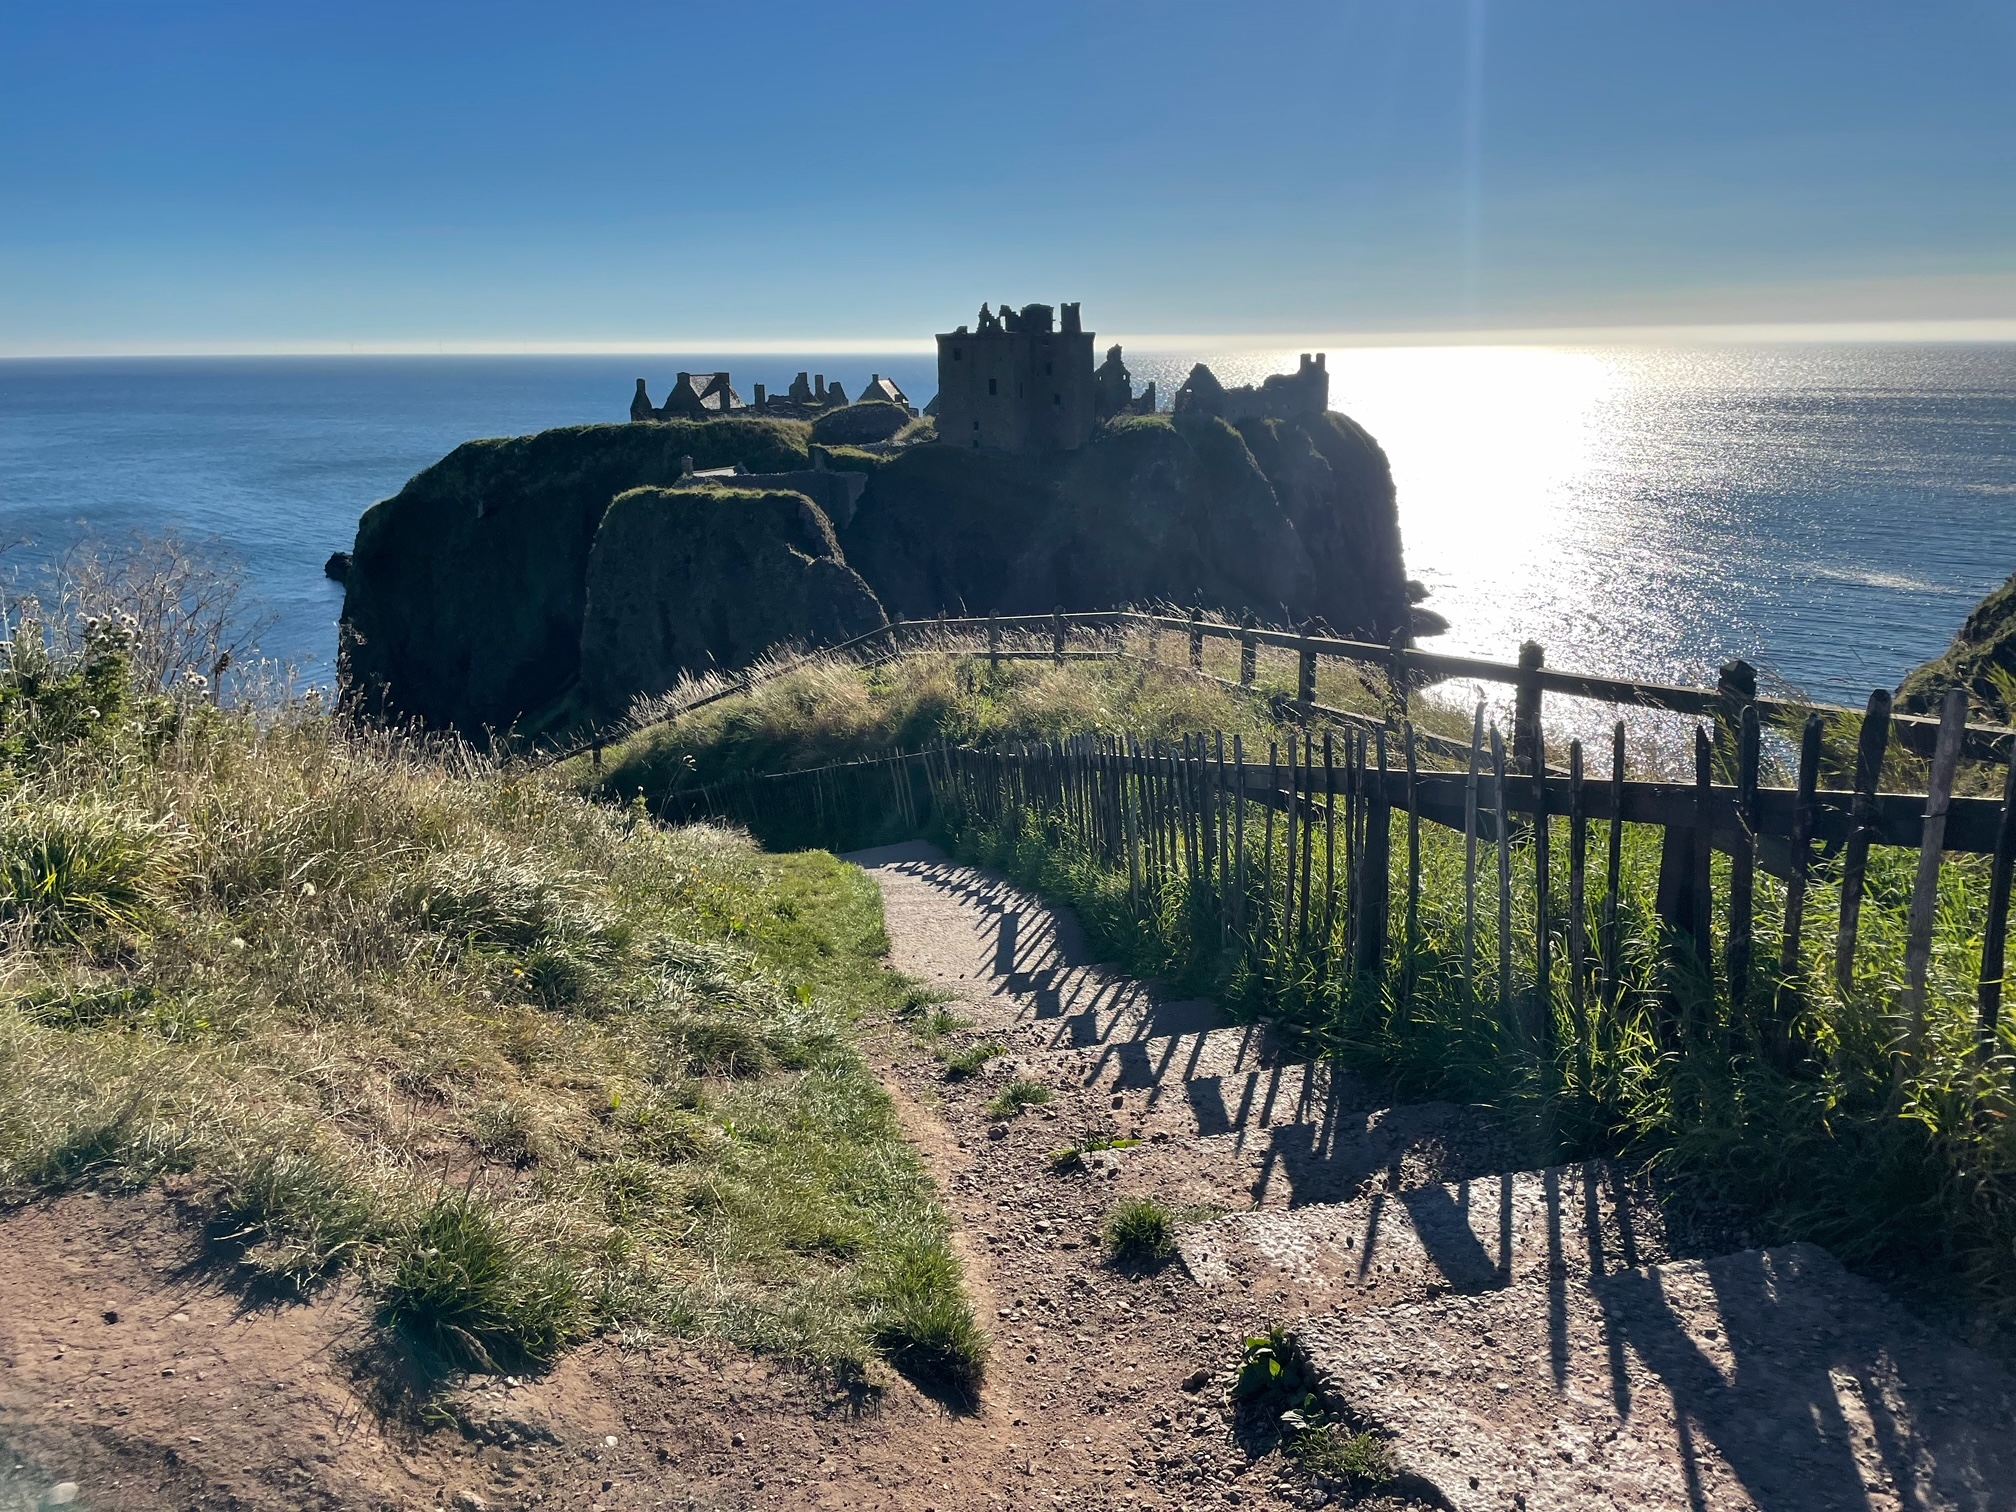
[[205, 175]]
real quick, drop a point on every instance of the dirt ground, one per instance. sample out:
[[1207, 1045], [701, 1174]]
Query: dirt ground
[[135, 1375]]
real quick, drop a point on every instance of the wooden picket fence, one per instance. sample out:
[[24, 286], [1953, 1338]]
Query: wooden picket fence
[[1204, 816]]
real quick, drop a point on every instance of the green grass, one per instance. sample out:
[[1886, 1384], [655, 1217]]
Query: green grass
[[1362, 1461], [1817, 1149], [1018, 1097], [961, 1064], [1140, 1234], [530, 1067]]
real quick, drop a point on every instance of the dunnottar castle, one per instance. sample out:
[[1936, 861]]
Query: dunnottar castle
[[1017, 381]]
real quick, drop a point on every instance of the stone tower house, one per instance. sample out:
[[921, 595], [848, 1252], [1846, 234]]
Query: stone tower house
[[1015, 384]]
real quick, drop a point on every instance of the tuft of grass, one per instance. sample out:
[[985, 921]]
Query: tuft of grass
[[477, 1294], [68, 868], [924, 1324], [1363, 1462], [961, 1064], [1019, 1096], [1140, 1234], [298, 1213]]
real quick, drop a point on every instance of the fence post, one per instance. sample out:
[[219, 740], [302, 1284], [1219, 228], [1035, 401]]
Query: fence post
[[1614, 869], [1249, 648], [1529, 745], [1196, 640], [1396, 673], [1869, 749], [1378, 869], [993, 643], [1735, 691], [1305, 669], [1931, 852], [1738, 949], [1057, 635], [1578, 899], [1795, 885], [1995, 936]]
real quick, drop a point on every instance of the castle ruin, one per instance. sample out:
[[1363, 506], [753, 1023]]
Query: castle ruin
[[1283, 396], [706, 396]]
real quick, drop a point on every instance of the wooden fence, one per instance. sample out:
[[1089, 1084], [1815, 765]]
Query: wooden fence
[[1205, 817]]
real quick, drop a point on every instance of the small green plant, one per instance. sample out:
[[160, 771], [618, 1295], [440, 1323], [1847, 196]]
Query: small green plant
[[923, 1323], [1362, 1461], [961, 1064], [1073, 1159], [1275, 1380], [475, 1294], [299, 1215], [1017, 1096], [940, 1022], [1140, 1234]]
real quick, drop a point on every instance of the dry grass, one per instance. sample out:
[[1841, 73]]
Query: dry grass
[[533, 1066]]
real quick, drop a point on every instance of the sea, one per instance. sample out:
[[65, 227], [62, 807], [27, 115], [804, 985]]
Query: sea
[[1828, 512]]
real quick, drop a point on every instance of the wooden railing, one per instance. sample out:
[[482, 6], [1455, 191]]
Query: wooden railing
[[1179, 815]]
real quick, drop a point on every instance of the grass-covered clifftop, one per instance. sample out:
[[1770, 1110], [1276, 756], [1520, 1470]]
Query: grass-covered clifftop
[[1981, 659], [527, 1067], [464, 599]]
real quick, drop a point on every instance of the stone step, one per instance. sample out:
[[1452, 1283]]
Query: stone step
[[1419, 1240], [1767, 1379]]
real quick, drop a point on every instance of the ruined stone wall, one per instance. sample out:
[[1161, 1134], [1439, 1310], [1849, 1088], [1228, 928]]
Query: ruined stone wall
[[1019, 388]]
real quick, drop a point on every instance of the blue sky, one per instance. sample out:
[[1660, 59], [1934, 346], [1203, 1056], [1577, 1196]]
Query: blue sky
[[202, 176]]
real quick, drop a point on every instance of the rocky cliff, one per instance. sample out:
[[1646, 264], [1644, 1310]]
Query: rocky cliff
[[1982, 657], [688, 579], [530, 583], [463, 604], [1290, 518]]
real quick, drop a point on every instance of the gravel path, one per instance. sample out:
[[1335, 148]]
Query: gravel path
[[1522, 1338]]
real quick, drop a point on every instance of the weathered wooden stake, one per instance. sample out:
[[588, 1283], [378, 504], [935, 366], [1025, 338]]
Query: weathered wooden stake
[[1995, 934], [1738, 948], [1413, 865], [1267, 851], [1239, 832], [1869, 750], [1057, 635], [1613, 975], [1578, 922], [1504, 877], [1249, 649], [1931, 853], [1470, 854], [1702, 924], [1378, 867], [1197, 640], [1329, 846], [994, 643], [1789, 949], [1305, 671]]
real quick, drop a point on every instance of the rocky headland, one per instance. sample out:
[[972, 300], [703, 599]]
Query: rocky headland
[[545, 582]]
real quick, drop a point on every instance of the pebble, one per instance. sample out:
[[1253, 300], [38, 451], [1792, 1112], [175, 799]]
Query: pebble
[[469, 1501], [60, 1495]]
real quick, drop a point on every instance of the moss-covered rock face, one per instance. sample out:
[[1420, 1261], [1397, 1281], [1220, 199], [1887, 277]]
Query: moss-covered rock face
[[482, 597], [683, 580], [464, 600], [1289, 518], [1982, 658]]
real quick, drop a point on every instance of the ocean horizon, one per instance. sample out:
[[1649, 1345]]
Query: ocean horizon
[[1830, 512]]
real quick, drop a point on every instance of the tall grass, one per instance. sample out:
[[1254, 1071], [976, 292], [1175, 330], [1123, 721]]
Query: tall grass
[[1883, 1165], [530, 1066]]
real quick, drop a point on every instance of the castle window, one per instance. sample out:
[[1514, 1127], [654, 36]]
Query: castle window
[[1057, 399], [991, 388], [1046, 370], [976, 425], [955, 354]]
